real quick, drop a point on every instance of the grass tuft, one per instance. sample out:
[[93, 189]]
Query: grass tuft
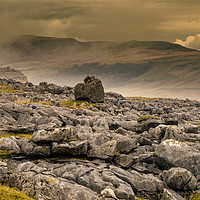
[[5, 155], [7, 193], [77, 104], [21, 135], [195, 197], [142, 118]]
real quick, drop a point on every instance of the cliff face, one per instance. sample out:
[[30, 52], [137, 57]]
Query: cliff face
[[8, 73]]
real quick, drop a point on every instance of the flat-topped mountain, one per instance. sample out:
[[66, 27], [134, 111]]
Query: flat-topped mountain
[[133, 68], [8, 73]]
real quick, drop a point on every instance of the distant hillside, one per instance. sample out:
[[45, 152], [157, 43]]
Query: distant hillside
[[133, 68], [8, 73]]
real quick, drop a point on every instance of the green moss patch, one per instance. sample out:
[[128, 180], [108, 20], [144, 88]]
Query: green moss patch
[[77, 104], [195, 197], [7, 193], [8, 135], [71, 140], [4, 155], [8, 89], [146, 117]]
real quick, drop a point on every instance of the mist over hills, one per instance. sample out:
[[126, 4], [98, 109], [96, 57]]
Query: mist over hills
[[133, 68]]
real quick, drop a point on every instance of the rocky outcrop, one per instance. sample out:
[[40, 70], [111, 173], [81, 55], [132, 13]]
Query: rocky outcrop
[[91, 90], [42, 88], [8, 73], [119, 149]]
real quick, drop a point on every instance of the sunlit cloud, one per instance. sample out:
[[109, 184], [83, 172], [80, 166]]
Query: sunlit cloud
[[190, 42]]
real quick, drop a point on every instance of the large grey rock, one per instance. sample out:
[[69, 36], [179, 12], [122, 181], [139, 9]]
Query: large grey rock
[[83, 132], [48, 187], [125, 144], [8, 144], [101, 125], [146, 185], [104, 151], [91, 90], [56, 135], [70, 148], [190, 128], [30, 148], [180, 178], [124, 160], [173, 132], [179, 154], [158, 132], [147, 122]]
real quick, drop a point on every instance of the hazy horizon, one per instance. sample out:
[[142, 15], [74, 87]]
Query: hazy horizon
[[99, 20], [163, 69]]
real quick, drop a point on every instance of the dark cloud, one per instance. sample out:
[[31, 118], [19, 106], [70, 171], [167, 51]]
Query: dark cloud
[[118, 20]]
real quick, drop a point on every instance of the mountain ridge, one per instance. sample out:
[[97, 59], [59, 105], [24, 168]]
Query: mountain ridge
[[144, 68]]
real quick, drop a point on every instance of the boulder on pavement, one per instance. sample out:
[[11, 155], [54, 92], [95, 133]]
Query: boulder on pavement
[[91, 90]]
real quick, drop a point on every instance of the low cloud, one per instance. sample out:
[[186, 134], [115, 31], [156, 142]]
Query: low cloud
[[114, 20], [190, 42]]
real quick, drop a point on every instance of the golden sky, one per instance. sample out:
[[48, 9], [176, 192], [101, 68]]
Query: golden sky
[[117, 20]]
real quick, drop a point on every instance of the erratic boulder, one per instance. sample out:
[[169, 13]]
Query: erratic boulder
[[91, 90]]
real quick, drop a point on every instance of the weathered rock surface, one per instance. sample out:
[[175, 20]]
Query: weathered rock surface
[[180, 179], [91, 90], [180, 154], [8, 144], [119, 149], [171, 195]]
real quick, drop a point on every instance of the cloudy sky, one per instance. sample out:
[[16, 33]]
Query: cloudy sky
[[117, 20]]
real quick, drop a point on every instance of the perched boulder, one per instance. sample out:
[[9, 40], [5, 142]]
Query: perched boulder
[[91, 90], [180, 179]]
